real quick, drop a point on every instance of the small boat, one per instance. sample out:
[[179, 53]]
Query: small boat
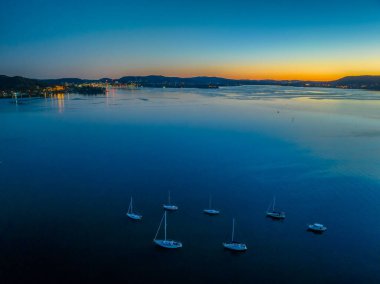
[[169, 206], [317, 228], [210, 211], [165, 243], [130, 213], [272, 213], [233, 245]]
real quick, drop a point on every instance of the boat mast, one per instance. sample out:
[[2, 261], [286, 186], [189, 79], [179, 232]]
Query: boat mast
[[165, 225], [233, 229], [131, 205], [269, 206], [129, 208], [274, 201], [159, 226]]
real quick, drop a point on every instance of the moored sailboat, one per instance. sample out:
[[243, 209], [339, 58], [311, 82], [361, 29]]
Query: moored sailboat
[[209, 210], [169, 206], [130, 213], [273, 213], [165, 243], [233, 245]]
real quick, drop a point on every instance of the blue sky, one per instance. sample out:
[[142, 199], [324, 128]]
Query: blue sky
[[240, 39]]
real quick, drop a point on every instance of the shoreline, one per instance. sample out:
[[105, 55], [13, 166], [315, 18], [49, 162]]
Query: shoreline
[[103, 91]]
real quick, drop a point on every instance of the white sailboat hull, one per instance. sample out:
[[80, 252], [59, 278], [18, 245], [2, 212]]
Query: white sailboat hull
[[235, 246], [170, 207], [168, 244], [276, 215], [211, 211], [134, 216]]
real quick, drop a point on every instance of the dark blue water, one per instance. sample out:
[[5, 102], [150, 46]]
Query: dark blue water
[[68, 167]]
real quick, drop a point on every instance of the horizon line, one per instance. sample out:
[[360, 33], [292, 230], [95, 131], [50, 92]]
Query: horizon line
[[189, 77]]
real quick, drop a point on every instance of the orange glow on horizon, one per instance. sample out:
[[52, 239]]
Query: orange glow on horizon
[[297, 69], [302, 70], [299, 76], [255, 73], [303, 76]]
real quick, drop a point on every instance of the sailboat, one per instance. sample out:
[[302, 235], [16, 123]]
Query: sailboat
[[272, 213], [165, 243], [130, 213], [210, 211], [169, 206], [233, 245]]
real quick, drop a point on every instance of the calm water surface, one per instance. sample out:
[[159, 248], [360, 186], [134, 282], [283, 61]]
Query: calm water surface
[[69, 165]]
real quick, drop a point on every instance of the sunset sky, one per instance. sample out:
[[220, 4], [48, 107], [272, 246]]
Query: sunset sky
[[316, 40]]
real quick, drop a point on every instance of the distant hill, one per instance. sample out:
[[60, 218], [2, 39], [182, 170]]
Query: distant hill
[[163, 81], [18, 83], [104, 80], [66, 81], [351, 82], [359, 82]]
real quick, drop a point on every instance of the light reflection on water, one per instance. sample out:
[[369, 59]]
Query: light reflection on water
[[328, 124]]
